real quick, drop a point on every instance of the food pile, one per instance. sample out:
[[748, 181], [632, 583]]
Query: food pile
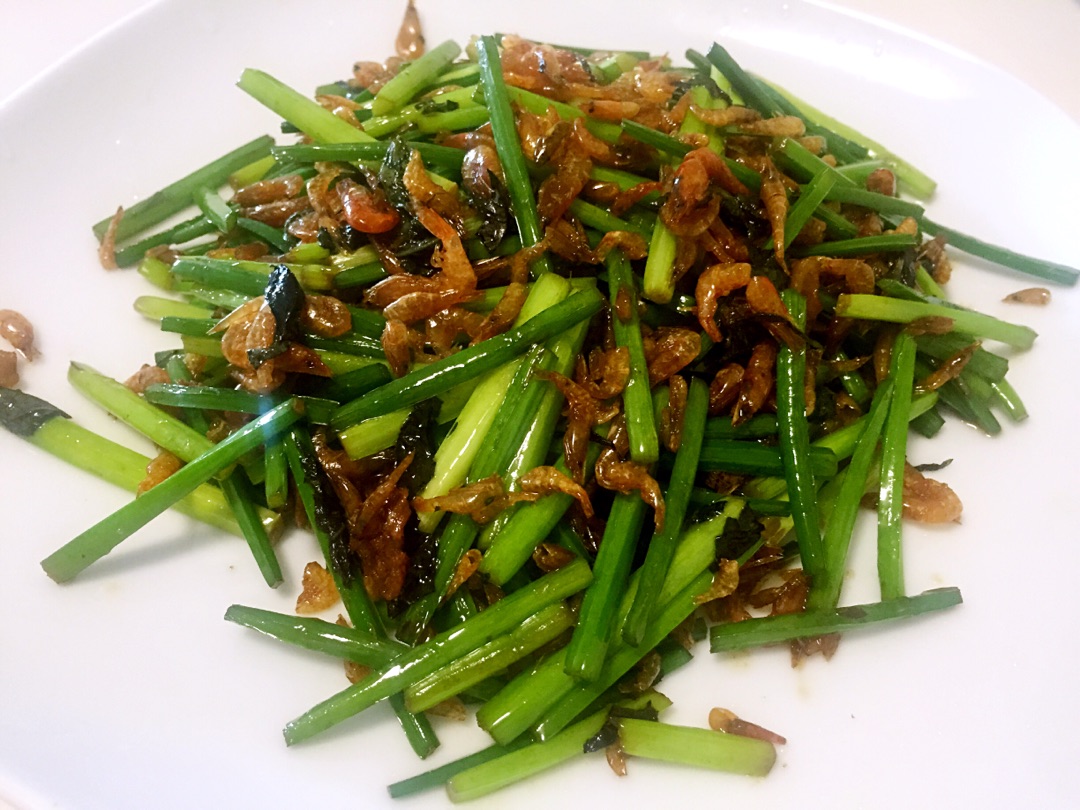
[[568, 359]]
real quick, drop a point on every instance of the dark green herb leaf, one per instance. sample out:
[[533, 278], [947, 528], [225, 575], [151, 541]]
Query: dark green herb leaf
[[24, 414], [285, 298], [417, 436]]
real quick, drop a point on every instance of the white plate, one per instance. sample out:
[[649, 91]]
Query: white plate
[[126, 689]]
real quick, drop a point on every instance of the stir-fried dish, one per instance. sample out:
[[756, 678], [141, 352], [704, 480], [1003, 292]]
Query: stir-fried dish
[[567, 359]]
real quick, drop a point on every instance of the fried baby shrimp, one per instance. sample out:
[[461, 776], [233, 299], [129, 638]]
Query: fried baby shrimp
[[409, 43], [724, 388], [422, 304], [734, 115], [325, 315], [758, 382], [441, 331], [723, 243], [628, 476], [764, 299], [365, 210], [251, 328], [341, 107], [568, 240], [775, 200], [375, 520], [627, 199], [107, 248], [669, 350], [934, 252], [582, 413], [1037, 296], [396, 347], [481, 500], [927, 500], [716, 282], [691, 206], [481, 171], [503, 315], [543, 68], [146, 376], [605, 373], [373, 75], [780, 126], [948, 369], [425, 192], [540, 135], [276, 213], [479, 166], [160, 467], [543, 480], [674, 413], [17, 330], [409, 298], [267, 191], [572, 160], [323, 197], [806, 275], [466, 567]]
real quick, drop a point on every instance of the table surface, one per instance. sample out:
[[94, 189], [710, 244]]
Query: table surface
[[1034, 41]]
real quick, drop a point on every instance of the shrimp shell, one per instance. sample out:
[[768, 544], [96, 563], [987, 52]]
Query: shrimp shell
[[934, 252], [727, 721]]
